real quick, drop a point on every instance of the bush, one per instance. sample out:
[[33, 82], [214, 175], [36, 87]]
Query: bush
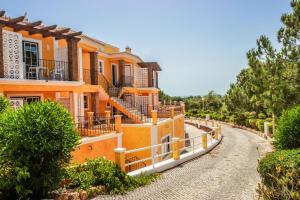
[[261, 116], [103, 172], [36, 143], [252, 123], [232, 119], [4, 104], [260, 124], [280, 174], [241, 119], [287, 135]]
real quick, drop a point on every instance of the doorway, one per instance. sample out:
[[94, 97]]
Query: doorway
[[114, 72]]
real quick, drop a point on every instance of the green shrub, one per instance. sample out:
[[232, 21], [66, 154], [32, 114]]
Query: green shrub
[[36, 143], [241, 119], [287, 135], [252, 123], [232, 119], [261, 116], [103, 172], [4, 104], [270, 126], [260, 124], [280, 174]]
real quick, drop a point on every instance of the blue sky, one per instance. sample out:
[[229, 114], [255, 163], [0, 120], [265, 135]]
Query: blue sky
[[200, 44]]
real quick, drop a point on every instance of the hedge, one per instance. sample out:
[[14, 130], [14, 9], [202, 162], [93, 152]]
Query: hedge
[[280, 174], [287, 135]]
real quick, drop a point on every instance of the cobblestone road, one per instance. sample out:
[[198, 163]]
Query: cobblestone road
[[227, 173]]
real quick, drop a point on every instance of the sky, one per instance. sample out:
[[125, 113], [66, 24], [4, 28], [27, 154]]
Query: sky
[[200, 45]]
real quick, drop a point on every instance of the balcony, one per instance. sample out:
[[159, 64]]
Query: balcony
[[96, 125], [41, 69]]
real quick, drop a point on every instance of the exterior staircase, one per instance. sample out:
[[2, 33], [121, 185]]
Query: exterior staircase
[[128, 110], [115, 100]]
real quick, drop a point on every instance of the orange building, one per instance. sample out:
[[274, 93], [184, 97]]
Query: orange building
[[94, 80]]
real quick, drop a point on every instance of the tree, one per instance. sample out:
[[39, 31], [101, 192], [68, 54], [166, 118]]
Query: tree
[[36, 141], [271, 83], [213, 101], [236, 100]]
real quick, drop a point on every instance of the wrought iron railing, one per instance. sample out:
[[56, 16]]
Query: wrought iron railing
[[127, 81], [47, 70], [164, 111], [95, 125]]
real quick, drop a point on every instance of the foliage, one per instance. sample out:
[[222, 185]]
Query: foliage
[[260, 125], [271, 82], [103, 172], [288, 132], [36, 141], [280, 174], [4, 104]]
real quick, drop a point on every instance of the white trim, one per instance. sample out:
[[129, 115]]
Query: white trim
[[39, 82], [87, 140], [171, 163], [41, 95], [36, 41]]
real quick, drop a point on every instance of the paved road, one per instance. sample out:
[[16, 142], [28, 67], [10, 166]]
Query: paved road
[[227, 172]]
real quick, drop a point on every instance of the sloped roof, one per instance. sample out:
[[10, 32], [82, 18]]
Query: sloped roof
[[154, 65]]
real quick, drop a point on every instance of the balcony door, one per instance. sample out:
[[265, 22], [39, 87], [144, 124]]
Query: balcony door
[[30, 58], [114, 73], [127, 75]]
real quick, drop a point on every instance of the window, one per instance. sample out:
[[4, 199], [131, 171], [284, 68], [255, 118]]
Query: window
[[86, 102], [101, 67], [18, 101], [27, 99], [166, 148], [30, 54]]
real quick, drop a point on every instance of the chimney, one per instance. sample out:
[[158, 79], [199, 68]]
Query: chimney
[[127, 49]]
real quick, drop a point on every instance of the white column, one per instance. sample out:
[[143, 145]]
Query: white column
[[81, 104], [57, 95], [75, 100], [120, 140], [80, 64], [154, 141]]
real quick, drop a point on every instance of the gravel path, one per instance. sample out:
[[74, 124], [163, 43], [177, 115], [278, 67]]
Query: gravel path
[[227, 172]]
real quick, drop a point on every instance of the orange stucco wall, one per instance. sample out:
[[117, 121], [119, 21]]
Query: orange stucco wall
[[137, 137], [179, 127], [104, 148]]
